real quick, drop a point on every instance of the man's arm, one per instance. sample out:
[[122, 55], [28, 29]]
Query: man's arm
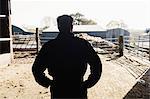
[[95, 67], [39, 67]]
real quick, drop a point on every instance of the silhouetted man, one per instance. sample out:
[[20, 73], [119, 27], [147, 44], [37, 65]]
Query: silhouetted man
[[66, 59]]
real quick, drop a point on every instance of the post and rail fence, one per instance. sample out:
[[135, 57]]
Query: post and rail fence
[[137, 45]]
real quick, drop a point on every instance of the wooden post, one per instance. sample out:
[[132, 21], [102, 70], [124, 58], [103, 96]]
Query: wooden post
[[138, 46], [37, 40], [120, 45], [11, 40]]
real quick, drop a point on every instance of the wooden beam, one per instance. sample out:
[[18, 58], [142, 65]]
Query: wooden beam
[[5, 39]]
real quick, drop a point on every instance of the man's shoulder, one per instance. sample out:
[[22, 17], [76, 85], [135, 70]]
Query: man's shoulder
[[81, 39], [48, 43], [84, 42]]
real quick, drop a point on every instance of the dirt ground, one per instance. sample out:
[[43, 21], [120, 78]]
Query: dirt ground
[[117, 81]]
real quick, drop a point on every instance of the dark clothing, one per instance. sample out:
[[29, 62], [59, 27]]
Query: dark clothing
[[66, 59]]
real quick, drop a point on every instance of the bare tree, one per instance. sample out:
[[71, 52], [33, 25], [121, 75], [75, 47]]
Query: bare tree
[[79, 19]]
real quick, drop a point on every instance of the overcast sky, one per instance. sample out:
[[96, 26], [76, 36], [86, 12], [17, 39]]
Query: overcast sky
[[135, 13]]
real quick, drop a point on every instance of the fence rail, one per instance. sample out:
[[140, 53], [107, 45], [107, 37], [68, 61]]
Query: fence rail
[[5, 39], [24, 42], [137, 45]]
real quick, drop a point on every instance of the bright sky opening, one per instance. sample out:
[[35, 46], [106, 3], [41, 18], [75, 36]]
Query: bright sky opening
[[134, 13]]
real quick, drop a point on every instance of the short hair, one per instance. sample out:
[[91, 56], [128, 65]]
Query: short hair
[[64, 22]]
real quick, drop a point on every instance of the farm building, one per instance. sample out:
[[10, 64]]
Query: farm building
[[19, 31], [6, 53], [93, 30], [113, 34]]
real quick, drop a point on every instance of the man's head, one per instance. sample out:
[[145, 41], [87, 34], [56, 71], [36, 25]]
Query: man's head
[[64, 23]]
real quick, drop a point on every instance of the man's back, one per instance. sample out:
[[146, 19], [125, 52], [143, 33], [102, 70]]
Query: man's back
[[66, 59]]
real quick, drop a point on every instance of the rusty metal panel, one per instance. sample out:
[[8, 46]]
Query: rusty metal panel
[[6, 51], [4, 27], [4, 7], [4, 47]]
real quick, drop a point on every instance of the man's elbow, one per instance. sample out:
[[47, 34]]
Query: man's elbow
[[99, 72], [97, 77], [35, 73]]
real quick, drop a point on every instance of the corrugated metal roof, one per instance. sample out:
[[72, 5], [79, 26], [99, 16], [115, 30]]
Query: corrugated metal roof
[[78, 28]]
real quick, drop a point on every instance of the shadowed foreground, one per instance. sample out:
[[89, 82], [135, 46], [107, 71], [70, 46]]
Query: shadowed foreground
[[17, 82]]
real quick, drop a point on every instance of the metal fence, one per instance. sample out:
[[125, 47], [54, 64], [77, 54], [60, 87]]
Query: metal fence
[[24, 42], [139, 46], [115, 40], [136, 45]]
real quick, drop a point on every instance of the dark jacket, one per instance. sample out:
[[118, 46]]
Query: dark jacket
[[66, 59]]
